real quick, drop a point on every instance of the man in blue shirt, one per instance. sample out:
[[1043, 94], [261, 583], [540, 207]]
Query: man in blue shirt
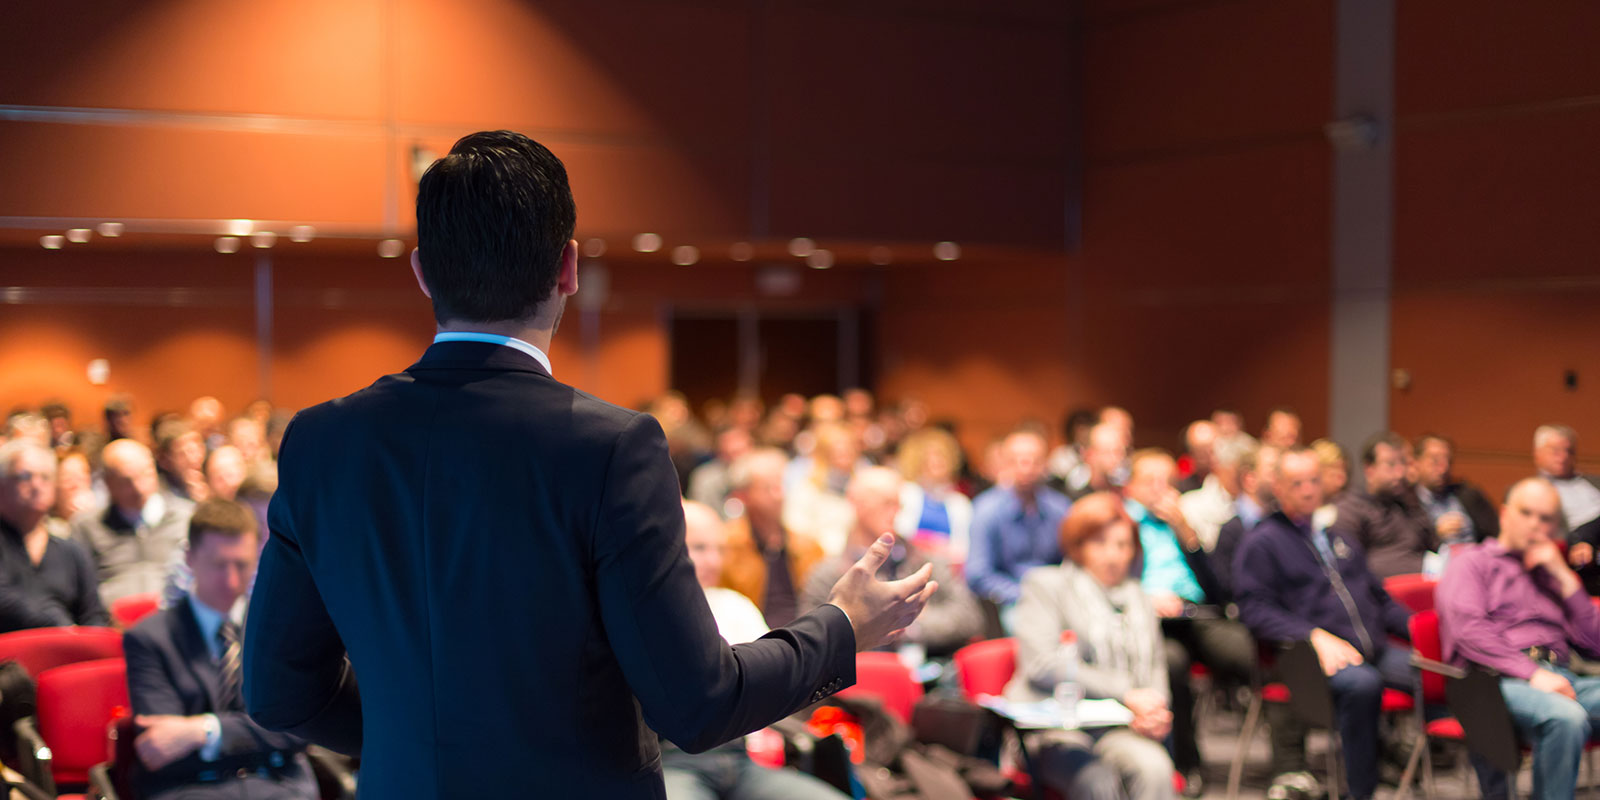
[[1186, 595], [1016, 525]]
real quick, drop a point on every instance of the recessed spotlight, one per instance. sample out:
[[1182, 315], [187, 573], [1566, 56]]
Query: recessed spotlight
[[391, 248], [78, 235], [800, 247], [820, 259], [302, 233], [947, 251], [53, 241], [741, 251], [647, 242], [239, 227], [685, 254], [263, 239], [226, 244], [880, 255], [594, 247], [110, 230]]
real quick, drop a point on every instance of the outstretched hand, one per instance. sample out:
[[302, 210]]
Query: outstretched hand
[[880, 610]]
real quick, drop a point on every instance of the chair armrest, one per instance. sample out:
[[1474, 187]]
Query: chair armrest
[[332, 770], [101, 787], [34, 756], [1439, 667]]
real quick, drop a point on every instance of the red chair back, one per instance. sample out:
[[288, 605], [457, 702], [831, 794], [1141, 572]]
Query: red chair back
[[39, 649], [127, 611], [986, 667], [76, 703], [882, 675], [1412, 591], [1425, 641]]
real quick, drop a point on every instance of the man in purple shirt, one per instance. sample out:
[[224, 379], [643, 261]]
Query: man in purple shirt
[[1512, 604]]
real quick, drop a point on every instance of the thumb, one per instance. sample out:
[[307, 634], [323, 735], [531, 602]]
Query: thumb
[[877, 554]]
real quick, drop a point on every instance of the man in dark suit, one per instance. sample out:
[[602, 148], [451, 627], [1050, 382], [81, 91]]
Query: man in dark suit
[[184, 681], [499, 558]]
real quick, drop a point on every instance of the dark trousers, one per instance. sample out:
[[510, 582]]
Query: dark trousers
[[1357, 703], [1226, 648]]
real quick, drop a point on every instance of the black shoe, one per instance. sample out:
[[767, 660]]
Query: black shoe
[[1194, 784]]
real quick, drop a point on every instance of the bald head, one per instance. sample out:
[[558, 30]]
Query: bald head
[[130, 474], [703, 535], [1530, 514], [874, 493], [1150, 476]]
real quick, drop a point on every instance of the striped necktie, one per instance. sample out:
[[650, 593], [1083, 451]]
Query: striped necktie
[[230, 665]]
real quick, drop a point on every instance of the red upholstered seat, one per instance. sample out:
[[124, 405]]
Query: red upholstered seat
[[986, 667], [884, 676], [76, 703], [1412, 591], [39, 649], [1446, 728], [1396, 702], [1275, 693], [127, 611]]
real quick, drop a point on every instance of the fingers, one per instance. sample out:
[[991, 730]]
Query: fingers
[[878, 553], [911, 584]]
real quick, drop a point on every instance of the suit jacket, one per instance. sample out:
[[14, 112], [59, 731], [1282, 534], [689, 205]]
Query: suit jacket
[[1394, 530], [499, 559], [129, 560], [744, 568], [170, 671]]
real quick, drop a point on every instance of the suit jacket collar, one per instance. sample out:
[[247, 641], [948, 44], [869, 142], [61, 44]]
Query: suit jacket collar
[[476, 356]]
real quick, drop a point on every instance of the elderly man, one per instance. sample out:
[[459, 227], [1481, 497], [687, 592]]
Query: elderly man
[[1210, 506], [708, 483], [727, 771], [952, 617], [1512, 605], [1282, 429], [1177, 576], [134, 537], [1258, 468], [1298, 580], [1014, 526], [765, 562], [1105, 458], [44, 581], [1460, 512], [1555, 455], [1383, 514], [1199, 439]]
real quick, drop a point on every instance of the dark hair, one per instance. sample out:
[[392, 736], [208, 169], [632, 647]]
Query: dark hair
[[169, 431], [1422, 442], [220, 516], [55, 409], [1075, 419], [492, 219], [1369, 448]]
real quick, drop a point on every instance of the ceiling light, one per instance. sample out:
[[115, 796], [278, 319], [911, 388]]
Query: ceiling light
[[880, 255], [110, 230], [594, 247], [947, 251], [239, 227], [78, 235], [801, 247], [227, 244], [302, 233], [820, 259], [741, 251], [263, 239], [391, 248], [52, 242], [685, 254], [647, 242]]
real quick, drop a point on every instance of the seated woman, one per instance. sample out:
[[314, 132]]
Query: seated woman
[[1122, 658], [932, 513]]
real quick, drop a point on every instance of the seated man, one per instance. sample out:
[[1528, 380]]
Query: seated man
[[1298, 580], [766, 561], [1214, 501], [1177, 576], [1382, 514], [1555, 455], [952, 617], [1258, 465], [1104, 458], [1460, 512], [133, 537], [1014, 524], [184, 680], [1512, 605], [44, 581], [727, 771]]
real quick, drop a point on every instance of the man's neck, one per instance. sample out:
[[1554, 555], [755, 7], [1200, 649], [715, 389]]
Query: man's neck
[[768, 533], [28, 525], [530, 332]]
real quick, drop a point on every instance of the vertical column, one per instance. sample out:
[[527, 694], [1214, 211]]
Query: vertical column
[[1363, 218], [263, 298]]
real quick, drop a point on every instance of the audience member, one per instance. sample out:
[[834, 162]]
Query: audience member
[[1460, 511], [1512, 605], [1335, 469], [952, 616], [1555, 456], [1229, 423], [1093, 596], [1014, 524], [180, 458], [766, 561], [250, 437], [184, 680], [45, 581], [816, 503], [708, 483], [1384, 515], [1105, 459], [27, 426], [225, 469], [119, 418], [933, 515], [1068, 470], [1177, 577], [1119, 418], [135, 535], [1258, 466], [1282, 429], [74, 491], [59, 417], [1299, 580], [1209, 506], [1199, 441], [206, 414]]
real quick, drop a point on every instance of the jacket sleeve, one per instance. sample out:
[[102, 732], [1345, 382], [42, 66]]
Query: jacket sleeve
[[1261, 605], [297, 678], [1200, 564], [1222, 556], [983, 573], [692, 687], [87, 610]]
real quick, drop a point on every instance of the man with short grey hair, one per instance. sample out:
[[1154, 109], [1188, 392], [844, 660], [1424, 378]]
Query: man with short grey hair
[[1555, 456], [135, 535], [44, 581], [1210, 507]]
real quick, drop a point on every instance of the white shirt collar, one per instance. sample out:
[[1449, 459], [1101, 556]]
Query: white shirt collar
[[490, 338]]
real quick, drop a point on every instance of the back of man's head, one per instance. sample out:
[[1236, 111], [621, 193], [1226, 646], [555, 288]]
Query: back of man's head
[[493, 217]]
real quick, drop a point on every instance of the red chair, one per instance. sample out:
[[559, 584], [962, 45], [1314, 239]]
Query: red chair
[[986, 667], [1412, 591], [39, 649], [884, 676], [76, 704], [127, 611]]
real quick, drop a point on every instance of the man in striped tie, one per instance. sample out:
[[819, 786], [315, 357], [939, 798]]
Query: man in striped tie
[[184, 680]]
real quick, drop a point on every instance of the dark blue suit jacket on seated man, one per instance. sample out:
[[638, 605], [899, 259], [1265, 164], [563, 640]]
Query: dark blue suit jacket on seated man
[[502, 557]]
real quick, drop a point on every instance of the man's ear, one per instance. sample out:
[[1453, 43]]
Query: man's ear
[[567, 280], [416, 270]]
